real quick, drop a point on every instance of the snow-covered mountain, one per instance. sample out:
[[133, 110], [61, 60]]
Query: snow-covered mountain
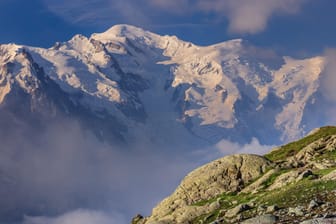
[[128, 84]]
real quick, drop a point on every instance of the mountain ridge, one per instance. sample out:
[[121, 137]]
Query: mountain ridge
[[212, 92]]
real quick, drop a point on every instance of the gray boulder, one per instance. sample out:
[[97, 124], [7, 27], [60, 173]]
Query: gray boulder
[[263, 219], [228, 174], [236, 210], [320, 221]]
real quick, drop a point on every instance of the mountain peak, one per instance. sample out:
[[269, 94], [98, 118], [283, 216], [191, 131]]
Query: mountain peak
[[10, 49], [123, 31]]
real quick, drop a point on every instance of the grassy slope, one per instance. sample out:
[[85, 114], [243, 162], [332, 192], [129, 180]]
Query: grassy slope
[[294, 147], [290, 195]]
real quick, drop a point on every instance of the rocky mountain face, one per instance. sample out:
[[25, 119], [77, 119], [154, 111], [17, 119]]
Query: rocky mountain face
[[127, 81], [295, 183]]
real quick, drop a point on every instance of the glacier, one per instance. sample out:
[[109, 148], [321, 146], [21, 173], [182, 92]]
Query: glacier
[[138, 80]]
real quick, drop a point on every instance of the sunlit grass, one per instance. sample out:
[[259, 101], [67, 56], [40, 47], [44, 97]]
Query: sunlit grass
[[294, 147]]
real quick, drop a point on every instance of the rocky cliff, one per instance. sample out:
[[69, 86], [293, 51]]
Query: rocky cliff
[[295, 183]]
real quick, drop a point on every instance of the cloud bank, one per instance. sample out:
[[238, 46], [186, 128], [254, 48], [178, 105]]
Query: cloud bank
[[244, 16], [64, 168], [77, 217], [327, 86], [62, 174], [250, 16], [328, 77]]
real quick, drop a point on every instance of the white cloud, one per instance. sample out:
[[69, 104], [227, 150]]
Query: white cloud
[[98, 12], [328, 77], [179, 6], [245, 16], [327, 88], [250, 16], [65, 168], [77, 217], [226, 147]]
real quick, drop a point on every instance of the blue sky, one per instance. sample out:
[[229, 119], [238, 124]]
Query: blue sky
[[293, 27]]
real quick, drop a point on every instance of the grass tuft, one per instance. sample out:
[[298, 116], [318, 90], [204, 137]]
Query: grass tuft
[[294, 147]]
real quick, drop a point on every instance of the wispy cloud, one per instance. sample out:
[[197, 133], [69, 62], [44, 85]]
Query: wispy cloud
[[77, 217], [254, 147], [172, 170], [98, 12], [244, 16], [328, 77], [66, 168], [250, 16], [226, 147], [327, 86]]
